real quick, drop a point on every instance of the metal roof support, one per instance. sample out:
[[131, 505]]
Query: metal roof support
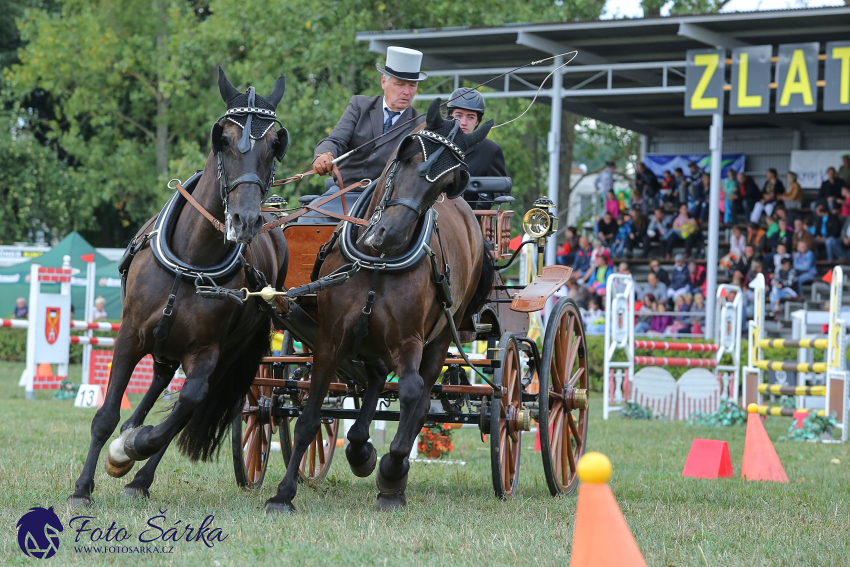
[[555, 150], [709, 37], [715, 144]]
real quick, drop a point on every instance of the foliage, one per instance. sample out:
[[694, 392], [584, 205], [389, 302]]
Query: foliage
[[727, 415], [815, 428], [634, 410], [435, 441], [597, 142], [67, 390]]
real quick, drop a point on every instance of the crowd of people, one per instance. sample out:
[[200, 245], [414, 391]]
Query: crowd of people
[[772, 233]]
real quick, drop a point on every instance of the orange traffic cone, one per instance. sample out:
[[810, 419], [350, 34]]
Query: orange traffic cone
[[44, 369], [125, 403], [760, 459], [599, 521]]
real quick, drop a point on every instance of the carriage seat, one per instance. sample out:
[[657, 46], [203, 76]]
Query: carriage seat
[[481, 192], [334, 206]]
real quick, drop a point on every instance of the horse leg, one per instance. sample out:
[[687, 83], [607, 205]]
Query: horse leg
[[325, 362], [141, 483], [414, 399], [142, 443], [127, 355], [361, 454], [162, 374]]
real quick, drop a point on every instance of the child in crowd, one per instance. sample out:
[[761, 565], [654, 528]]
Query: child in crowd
[[619, 246], [736, 248], [659, 322], [698, 322], [594, 317], [783, 283], [604, 268], [644, 314], [612, 204], [681, 322], [781, 252]]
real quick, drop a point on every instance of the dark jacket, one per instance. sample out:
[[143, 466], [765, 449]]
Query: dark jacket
[[679, 278], [363, 120], [749, 190], [778, 188], [582, 262], [777, 239], [788, 278], [663, 276], [831, 189], [833, 226], [485, 159]]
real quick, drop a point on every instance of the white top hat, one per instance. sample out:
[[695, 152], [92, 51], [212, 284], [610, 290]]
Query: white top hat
[[403, 63]]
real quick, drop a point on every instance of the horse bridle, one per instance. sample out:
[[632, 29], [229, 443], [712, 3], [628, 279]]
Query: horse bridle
[[244, 146], [424, 170]]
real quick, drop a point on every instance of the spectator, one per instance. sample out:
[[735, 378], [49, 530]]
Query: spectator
[[623, 233], [612, 204], [663, 276], [647, 186], [782, 236], [695, 174], [682, 186], [681, 321], [696, 278], [594, 317], [793, 197], [669, 188], [845, 205], [830, 189], [781, 252], [605, 180], [578, 293], [652, 287], [657, 229], [623, 269], [637, 236], [742, 267], [607, 229], [756, 268], [748, 193], [844, 170], [22, 310], [756, 237], [699, 207], [771, 230], [736, 248], [644, 321], [772, 189], [99, 313], [684, 230], [839, 248], [604, 268], [730, 190], [698, 320], [783, 283], [660, 322], [827, 226], [804, 265], [800, 233], [582, 265], [566, 254], [679, 279]]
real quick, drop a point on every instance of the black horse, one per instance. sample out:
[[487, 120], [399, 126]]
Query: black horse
[[407, 330], [219, 344]]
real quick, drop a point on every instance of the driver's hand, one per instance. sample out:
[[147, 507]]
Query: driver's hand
[[322, 164]]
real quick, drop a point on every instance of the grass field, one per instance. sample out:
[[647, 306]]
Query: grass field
[[452, 518]]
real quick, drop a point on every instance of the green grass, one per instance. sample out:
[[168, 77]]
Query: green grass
[[452, 518]]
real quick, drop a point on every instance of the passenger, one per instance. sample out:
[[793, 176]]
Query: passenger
[[366, 118]]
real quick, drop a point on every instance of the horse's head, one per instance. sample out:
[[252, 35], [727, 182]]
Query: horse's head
[[427, 163], [246, 145]]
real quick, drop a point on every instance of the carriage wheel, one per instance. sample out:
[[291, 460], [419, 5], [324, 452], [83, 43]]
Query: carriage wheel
[[251, 434], [505, 417], [316, 462], [563, 397]]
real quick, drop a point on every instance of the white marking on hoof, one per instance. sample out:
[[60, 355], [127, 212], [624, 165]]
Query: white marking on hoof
[[116, 449]]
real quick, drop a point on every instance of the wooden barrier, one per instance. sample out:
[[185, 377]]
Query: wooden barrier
[[682, 347], [777, 390], [785, 412], [820, 344], [665, 361]]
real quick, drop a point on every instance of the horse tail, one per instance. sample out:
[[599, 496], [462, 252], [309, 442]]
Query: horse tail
[[485, 281], [202, 436]]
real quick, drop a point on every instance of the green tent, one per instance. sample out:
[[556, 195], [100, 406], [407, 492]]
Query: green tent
[[13, 279]]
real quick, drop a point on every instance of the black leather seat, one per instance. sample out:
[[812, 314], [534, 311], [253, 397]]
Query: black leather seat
[[481, 192]]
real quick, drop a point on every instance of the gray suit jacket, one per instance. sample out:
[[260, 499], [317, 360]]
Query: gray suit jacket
[[362, 121]]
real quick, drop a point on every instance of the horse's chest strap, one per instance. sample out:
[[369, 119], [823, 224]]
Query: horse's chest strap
[[160, 332], [361, 329]]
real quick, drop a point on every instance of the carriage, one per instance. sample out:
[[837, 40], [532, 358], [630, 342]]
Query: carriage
[[546, 385]]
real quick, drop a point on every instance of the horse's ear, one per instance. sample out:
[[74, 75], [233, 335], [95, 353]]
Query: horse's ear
[[215, 137], [282, 143], [478, 134], [277, 91], [433, 120], [228, 91]]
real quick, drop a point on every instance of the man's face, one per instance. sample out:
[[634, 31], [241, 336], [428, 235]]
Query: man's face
[[652, 279], [398, 94], [801, 247], [468, 119], [798, 225], [607, 218], [830, 173], [654, 266], [771, 176], [783, 225], [846, 161], [741, 177], [641, 168], [659, 215], [693, 168], [749, 251], [683, 210], [583, 242], [20, 302]]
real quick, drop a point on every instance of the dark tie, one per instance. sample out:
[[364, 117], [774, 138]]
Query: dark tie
[[389, 121]]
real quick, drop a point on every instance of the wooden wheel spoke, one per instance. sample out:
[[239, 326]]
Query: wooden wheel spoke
[[252, 396], [575, 377], [568, 463], [320, 442]]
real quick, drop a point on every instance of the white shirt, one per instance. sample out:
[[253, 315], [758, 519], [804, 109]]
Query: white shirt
[[387, 110]]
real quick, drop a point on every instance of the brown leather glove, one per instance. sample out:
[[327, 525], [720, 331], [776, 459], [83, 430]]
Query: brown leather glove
[[322, 164]]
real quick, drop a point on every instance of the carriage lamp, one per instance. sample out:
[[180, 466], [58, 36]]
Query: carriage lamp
[[540, 223]]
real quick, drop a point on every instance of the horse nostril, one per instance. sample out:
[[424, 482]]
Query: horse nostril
[[236, 219]]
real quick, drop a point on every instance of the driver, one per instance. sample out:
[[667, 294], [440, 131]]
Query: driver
[[368, 117]]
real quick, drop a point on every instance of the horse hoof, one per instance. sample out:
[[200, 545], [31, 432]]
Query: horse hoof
[[390, 487], [136, 492], [79, 501], [273, 507], [388, 502], [117, 462], [118, 469], [365, 469]]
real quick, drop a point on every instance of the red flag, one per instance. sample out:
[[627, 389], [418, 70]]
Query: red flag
[[89, 258], [828, 277]]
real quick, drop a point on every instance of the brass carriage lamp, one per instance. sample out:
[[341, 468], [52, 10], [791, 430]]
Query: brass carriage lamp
[[539, 223]]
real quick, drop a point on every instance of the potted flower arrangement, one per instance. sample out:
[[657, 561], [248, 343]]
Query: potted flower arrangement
[[435, 440]]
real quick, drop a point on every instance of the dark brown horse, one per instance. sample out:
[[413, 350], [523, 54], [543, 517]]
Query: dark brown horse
[[407, 332], [218, 343]]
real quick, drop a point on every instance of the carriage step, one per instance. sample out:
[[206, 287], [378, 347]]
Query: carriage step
[[785, 412], [778, 390], [483, 327], [794, 343], [791, 366]]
